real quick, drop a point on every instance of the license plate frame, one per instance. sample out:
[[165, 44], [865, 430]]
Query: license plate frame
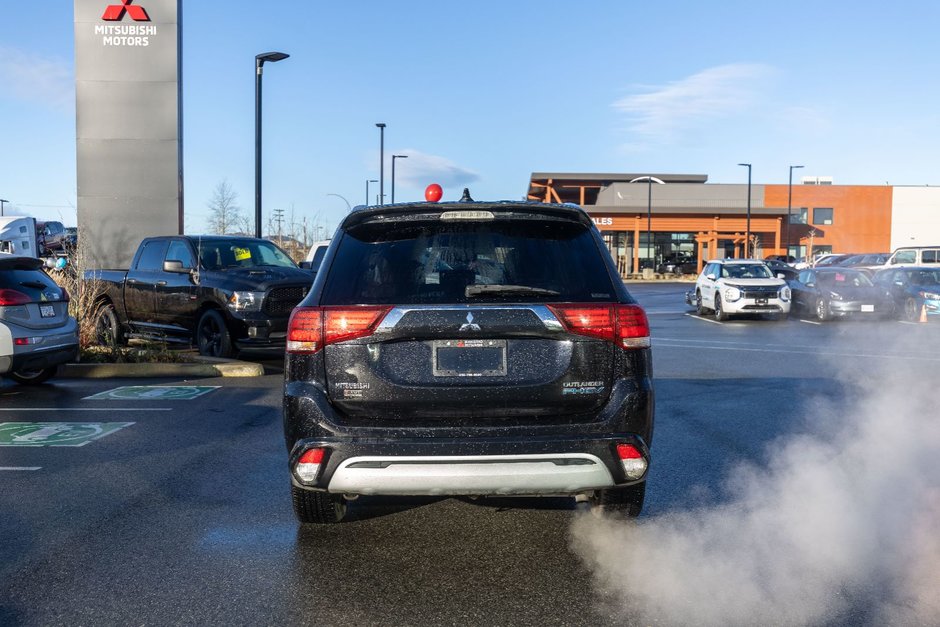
[[468, 358], [762, 301], [868, 309], [47, 311]]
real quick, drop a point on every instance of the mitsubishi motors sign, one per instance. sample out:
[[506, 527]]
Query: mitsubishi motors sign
[[127, 88]]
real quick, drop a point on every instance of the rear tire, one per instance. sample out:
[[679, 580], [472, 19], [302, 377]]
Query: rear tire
[[699, 307], [822, 310], [319, 508], [35, 377], [720, 314], [108, 330], [911, 310], [624, 502]]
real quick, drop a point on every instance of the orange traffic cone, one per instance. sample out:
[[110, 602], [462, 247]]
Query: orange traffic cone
[[923, 313]]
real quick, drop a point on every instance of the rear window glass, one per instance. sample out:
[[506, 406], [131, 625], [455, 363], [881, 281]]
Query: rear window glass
[[472, 262], [34, 283]]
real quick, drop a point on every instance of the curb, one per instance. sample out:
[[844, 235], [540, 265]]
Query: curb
[[203, 367]]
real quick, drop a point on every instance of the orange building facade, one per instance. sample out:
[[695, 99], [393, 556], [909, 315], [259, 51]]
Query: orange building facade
[[652, 220]]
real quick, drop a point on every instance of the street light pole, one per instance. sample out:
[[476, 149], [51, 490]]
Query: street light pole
[[747, 237], [381, 126], [789, 207], [3, 201], [348, 206], [271, 57], [367, 188], [393, 173], [649, 209]]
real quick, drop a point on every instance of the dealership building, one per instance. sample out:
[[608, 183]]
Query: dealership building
[[646, 219]]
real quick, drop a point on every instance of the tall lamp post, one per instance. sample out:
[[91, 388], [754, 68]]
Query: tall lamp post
[[649, 208], [3, 201], [789, 207], [260, 59], [747, 236], [367, 188], [381, 126], [348, 206], [393, 173]]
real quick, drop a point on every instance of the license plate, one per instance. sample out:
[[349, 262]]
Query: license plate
[[469, 358], [761, 301], [868, 308], [47, 311]]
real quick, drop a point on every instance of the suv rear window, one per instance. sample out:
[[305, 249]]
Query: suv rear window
[[440, 263], [34, 283]]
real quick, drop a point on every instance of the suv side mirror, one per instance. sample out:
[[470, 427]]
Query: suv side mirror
[[781, 275], [175, 266], [305, 265], [711, 276]]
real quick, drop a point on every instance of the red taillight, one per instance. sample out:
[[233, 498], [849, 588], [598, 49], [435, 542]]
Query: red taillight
[[628, 451], [312, 328], [305, 330], [313, 456], [13, 297], [624, 325], [308, 466]]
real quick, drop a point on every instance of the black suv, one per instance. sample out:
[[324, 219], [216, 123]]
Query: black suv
[[467, 348]]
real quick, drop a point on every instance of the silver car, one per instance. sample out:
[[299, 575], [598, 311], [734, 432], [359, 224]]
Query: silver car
[[37, 334]]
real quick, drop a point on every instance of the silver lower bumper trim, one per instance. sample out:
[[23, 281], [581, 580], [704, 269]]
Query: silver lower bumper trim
[[562, 473]]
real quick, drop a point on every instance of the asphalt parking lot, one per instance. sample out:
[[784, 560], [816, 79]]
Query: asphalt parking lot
[[155, 508]]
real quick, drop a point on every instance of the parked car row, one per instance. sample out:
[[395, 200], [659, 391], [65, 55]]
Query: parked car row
[[729, 287]]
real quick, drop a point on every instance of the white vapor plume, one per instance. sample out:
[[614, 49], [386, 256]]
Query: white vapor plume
[[841, 525], [422, 168]]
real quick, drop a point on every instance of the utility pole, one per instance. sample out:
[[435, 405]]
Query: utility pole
[[279, 217]]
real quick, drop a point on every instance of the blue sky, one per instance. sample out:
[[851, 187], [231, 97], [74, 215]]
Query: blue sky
[[483, 94]]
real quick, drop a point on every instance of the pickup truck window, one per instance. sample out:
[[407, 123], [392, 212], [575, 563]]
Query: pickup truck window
[[151, 257], [179, 251], [220, 254]]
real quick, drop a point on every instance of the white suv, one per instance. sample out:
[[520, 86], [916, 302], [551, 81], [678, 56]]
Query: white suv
[[740, 286]]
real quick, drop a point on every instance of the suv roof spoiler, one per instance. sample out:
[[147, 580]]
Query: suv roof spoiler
[[364, 213]]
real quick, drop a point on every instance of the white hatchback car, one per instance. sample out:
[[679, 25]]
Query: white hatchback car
[[37, 334], [740, 286]]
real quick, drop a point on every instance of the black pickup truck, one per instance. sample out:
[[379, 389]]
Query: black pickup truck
[[223, 293]]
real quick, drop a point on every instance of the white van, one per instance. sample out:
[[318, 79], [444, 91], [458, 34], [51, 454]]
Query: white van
[[915, 256], [315, 255], [18, 236]]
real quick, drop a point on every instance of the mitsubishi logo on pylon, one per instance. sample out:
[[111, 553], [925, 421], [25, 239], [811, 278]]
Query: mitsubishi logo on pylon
[[115, 12]]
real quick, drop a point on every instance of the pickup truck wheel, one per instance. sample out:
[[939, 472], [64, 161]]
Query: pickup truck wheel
[[720, 314], [625, 502], [107, 328], [911, 310], [33, 377], [699, 307], [318, 508], [212, 336]]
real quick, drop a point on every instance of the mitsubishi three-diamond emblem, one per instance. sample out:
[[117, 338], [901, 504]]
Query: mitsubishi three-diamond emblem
[[470, 326]]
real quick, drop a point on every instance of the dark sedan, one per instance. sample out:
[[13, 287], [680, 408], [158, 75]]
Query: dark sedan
[[782, 268], [914, 291], [834, 292]]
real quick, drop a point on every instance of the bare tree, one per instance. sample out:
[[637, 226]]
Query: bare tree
[[225, 215]]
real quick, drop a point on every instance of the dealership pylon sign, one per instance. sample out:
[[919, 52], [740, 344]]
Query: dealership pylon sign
[[127, 69]]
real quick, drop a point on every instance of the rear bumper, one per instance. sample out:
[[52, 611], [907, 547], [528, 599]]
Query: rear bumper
[[38, 360], [439, 466]]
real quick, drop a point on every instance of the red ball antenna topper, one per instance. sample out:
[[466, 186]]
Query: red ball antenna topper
[[433, 193]]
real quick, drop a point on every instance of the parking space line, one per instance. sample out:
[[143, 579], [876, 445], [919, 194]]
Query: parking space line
[[810, 322], [677, 344], [108, 409], [703, 319], [908, 322], [26, 468]]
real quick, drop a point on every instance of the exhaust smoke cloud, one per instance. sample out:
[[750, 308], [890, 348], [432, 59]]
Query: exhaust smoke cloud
[[840, 526]]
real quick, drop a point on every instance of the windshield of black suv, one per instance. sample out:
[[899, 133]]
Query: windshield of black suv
[[745, 271], [469, 262], [221, 254]]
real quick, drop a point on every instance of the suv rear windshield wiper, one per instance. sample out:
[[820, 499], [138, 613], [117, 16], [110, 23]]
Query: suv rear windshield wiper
[[522, 290]]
